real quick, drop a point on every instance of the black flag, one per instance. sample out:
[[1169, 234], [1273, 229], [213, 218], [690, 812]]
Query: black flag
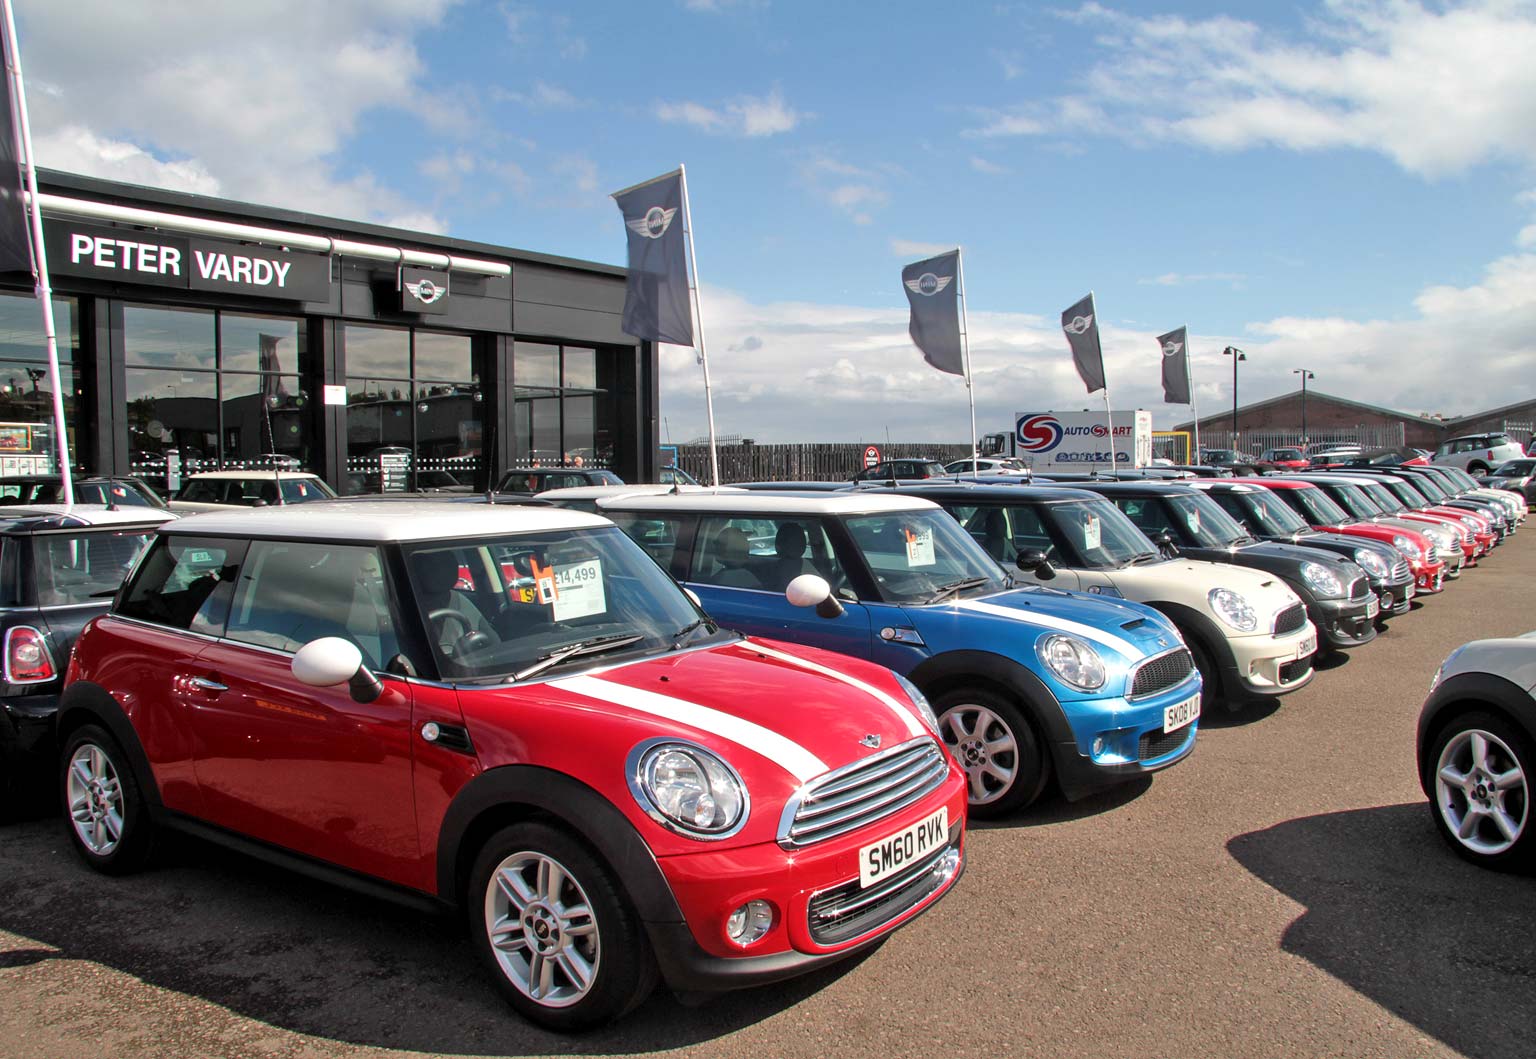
[[1175, 347], [935, 326], [1083, 336], [15, 247], [656, 298]]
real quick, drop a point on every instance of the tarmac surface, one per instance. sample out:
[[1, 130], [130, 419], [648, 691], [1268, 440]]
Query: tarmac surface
[[1280, 893]]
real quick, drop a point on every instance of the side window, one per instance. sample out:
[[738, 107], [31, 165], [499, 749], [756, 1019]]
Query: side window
[[249, 490], [657, 534], [292, 592], [299, 490], [185, 583], [205, 491], [764, 553], [1148, 516]]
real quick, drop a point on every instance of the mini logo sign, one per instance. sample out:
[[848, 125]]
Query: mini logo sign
[[1171, 348], [654, 224], [425, 291], [928, 284], [872, 741], [1079, 324]]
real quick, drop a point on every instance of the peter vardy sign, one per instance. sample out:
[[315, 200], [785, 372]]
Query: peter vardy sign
[[125, 255]]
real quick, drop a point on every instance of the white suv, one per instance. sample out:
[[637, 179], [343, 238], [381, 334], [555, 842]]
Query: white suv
[[1478, 453]]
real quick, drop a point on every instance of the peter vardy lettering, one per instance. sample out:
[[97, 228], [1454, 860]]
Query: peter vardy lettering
[[125, 254], [236, 268]]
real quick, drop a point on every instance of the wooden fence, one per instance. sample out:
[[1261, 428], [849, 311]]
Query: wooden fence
[[811, 462]]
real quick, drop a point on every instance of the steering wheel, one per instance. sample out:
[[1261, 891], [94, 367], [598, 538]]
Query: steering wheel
[[468, 639]]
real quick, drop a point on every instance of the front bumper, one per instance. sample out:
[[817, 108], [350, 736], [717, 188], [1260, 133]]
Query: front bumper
[[1428, 578], [1396, 598], [1119, 739], [697, 956], [1265, 664], [1344, 622]]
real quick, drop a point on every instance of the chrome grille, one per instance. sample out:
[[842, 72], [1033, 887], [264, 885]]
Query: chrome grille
[[1290, 619], [847, 912], [1431, 554], [1401, 572], [1162, 672], [861, 793]]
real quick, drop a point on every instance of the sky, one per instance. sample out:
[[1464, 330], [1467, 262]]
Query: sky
[[1346, 187]]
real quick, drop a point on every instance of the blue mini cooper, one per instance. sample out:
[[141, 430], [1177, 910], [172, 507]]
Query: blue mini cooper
[[1028, 683]]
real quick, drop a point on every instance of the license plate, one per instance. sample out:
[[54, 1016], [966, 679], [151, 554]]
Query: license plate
[[1372, 608], [1180, 714], [1411, 589], [906, 847], [1306, 647]]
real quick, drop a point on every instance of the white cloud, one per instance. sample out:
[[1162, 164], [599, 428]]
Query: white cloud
[[542, 96], [1184, 279], [913, 248], [746, 116], [982, 165], [1438, 89], [252, 101]]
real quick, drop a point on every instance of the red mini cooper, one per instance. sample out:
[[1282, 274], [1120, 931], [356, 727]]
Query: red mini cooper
[[514, 712]]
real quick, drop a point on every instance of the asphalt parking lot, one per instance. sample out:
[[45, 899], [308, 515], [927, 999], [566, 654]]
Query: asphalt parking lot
[[1281, 893]]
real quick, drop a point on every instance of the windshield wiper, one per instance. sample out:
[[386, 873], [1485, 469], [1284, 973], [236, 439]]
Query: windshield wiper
[[693, 626], [594, 646], [954, 587], [1146, 557]]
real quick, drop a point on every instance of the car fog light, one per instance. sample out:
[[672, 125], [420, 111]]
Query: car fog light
[[1099, 746], [749, 922]]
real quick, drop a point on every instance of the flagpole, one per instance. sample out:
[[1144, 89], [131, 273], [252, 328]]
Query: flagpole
[[43, 288], [1189, 381], [965, 347], [1109, 417], [698, 313]]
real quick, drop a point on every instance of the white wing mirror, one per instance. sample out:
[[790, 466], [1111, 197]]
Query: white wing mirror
[[329, 661], [811, 590], [691, 594]]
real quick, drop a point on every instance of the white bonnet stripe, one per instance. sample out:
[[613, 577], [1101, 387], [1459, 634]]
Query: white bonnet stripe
[[904, 712], [788, 754], [1050, 621]]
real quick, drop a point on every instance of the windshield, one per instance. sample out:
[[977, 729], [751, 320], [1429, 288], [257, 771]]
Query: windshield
[[1100, 534], [1405, 492], [1269, 514], [914, 555], [1430, 487], [1320, 507], [73, 567], [1514, 469], [1354, 500], [1206, 523], [1385, 499], [1287, 454], [500, 606]]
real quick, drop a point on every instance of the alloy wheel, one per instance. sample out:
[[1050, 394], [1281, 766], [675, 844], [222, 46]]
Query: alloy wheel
[[95, 799], [1481, 792], [985, 747], [542, 929]]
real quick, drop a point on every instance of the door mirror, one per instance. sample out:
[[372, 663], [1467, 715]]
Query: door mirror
[[811, 590], [329, 661], [1164, 541], [1033, 561], [694, 596]]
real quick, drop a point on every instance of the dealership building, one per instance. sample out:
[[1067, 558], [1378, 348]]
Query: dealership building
[[199, 334]]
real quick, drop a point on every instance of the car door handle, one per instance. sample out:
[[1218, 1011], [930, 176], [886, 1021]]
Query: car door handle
[[204, 684]]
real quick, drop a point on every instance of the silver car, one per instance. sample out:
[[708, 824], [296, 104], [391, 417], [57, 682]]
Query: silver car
[[1477, 750], [1478, 453]]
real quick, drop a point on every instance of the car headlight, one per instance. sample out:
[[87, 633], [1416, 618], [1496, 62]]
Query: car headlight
[[1321, 580], [687, 789], [1407, 547], [1372, 563], [1442, 538], [1470, 523], [1233, 609], [1073, 660], [924, 710]]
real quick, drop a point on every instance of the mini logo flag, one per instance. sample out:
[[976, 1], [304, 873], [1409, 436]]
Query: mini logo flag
[[15, 246], [1175, 349], [934, 296], [1082, 330], [656, 297]]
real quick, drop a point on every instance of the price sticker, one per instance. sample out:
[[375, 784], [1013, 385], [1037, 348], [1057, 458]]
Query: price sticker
[[919, 547], [578, 590], [1093, 532]]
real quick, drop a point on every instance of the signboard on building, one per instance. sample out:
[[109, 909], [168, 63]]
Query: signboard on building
[[129, 255]]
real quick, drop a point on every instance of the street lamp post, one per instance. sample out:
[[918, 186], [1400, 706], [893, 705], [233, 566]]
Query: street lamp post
[[1305, 375], [1236, 355]]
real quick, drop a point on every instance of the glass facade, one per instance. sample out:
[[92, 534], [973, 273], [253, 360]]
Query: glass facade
[[413, 411], [565, 413], [214, 390], [26, 394]]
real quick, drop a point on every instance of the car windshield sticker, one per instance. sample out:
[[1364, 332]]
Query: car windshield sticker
[[1092, 533], [1193, 518], [919, 546], [579, 590], [303, 489], [544, 590]]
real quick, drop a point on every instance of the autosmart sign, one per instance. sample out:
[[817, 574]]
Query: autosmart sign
[[125, 255]]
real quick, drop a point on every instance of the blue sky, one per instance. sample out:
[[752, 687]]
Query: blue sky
[[1344, 186]]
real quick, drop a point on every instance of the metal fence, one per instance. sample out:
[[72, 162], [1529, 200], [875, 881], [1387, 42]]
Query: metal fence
[[810, 462], [1254, 442]]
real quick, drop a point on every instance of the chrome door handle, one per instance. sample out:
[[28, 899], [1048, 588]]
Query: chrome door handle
[[204, 684]]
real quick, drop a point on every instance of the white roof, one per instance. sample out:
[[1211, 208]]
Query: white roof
[[597, 492], [764, 502], [94, 514], [385, 520], [264, 473]]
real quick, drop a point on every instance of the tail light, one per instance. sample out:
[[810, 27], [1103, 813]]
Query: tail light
[[27, 660]]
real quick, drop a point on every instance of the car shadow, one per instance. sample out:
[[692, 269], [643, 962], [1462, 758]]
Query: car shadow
[[1394, 914], [1251, 710], [1323, 661], [310, 958], [1053, 808]]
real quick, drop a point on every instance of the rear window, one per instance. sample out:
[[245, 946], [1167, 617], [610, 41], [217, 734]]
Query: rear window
[[72, 568]]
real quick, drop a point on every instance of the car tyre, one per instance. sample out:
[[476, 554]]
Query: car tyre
[[556, 930], [995, 744], [1479, 768], [1210, 678], [105, 812]]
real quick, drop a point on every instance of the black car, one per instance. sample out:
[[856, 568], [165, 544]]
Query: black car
[[57, 572], [1269, 518], [529, 480], [1202, 470], [121, 490], [1239, 463], [903, 469], [1518, 476], [1335, 589]]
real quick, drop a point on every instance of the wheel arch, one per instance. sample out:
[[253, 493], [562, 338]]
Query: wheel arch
[[1465, 692], [1204, 633], [944, 673], [83, 703], [510, 794]]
